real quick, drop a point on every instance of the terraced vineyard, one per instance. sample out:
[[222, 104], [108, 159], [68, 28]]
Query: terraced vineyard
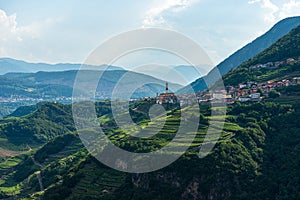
[[54, 164], [97, 183], [162, 129], [63, 169]]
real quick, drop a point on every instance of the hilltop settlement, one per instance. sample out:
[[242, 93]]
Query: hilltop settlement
[[249, 91]]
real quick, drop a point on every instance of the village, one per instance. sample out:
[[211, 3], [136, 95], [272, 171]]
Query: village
[[250, 91], [245, 92], [277, 64]]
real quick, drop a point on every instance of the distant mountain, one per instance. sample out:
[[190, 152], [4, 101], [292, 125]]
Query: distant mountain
[[56, 84], [8, 65], [286, 48], [250, 50], [22, 89]]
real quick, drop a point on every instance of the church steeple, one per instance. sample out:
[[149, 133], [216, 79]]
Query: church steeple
[[167, 88]]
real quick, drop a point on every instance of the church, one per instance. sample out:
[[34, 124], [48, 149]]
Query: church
[[166, 97]]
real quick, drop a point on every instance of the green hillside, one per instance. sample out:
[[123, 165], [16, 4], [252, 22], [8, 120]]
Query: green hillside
[[285, 48], [25, 110], [37, 128], [245, 164]]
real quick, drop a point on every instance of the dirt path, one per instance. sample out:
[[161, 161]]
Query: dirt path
[[8, 153], [36, 163], [39, 177]]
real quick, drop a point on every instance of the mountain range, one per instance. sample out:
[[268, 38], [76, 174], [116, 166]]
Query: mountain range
[[59, 84], [19, 89], [9, 65], [186, 73]]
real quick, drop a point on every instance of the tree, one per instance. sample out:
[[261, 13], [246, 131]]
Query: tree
[[274, 94], [260, 91]]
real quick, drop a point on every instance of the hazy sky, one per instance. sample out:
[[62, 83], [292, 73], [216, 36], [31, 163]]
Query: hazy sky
[[67, 31]]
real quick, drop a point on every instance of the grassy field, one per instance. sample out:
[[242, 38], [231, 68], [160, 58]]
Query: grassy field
[[9, 162], [11, 191]]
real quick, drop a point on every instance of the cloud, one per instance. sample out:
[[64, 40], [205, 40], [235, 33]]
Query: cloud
[[270, 17], [155, 16], [270, 7], [290, 9], [11, 33], [278, 12], [9, 29], [8, 26], [27, 42], [253, 1]]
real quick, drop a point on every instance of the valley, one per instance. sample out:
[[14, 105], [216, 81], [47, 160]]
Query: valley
[[43, 155]]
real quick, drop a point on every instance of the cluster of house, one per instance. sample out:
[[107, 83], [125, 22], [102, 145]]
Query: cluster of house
[[33, 100], [248, 91], [277, 64]]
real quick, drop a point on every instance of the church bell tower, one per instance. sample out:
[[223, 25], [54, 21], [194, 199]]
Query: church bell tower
[[167, 88]]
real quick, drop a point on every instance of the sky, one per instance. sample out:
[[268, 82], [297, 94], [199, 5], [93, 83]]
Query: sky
[[68, 31]]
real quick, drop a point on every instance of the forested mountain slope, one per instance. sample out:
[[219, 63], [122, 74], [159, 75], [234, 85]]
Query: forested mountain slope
[[256, 158], [288, 47]]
